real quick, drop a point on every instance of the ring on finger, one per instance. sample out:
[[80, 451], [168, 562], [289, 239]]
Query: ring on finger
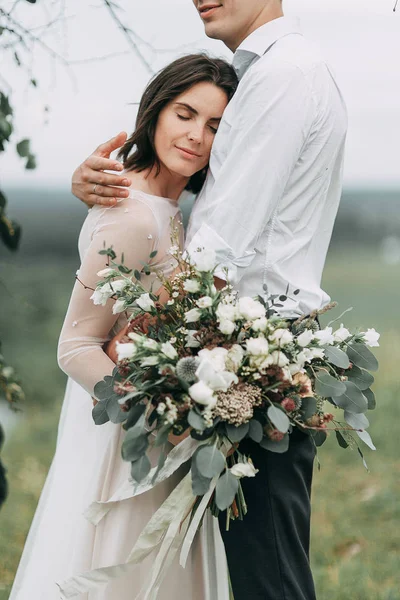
[[94, 188]]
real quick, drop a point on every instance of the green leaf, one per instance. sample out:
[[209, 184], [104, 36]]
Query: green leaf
[[196, 421], [366, 438], [353, 400], [140, 468], [114, 410], [236, 434], [341, 440], [23, 148], [370, 396], [210, 461], [319, 437], [226, 490], [278, 418], [31, 162], [362, 357], [10, 233], [134, 415], [200, 484], [6, 128], [360, 377], [137, 275], [135, 444], [162, 436], [255, 431], [5, 106], [327, 386], [104, 389], [99, 413], [16, 56], [358, 421], [308, 407], [154, 254], [337, 357], [277, 447], [34, 82]]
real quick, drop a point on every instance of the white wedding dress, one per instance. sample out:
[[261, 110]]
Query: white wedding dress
[[87, 465]]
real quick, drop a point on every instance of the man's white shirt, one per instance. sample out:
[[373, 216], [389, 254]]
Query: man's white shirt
[[273, 189]]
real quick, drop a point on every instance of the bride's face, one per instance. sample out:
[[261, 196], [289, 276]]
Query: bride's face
[[186, 129]]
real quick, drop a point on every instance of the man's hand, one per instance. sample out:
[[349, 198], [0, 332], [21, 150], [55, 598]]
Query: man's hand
[[92, 185]]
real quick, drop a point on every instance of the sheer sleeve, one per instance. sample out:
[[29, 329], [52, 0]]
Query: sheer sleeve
[[130, 228]]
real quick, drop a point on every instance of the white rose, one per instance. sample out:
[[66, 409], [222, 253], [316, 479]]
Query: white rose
[[305, 338], [260, 324], [251, 309], [217, 356], [244, 470], [234, 358], [125, 351], [202, 394], [204, 260], [150, 344], [204, 302], [257, 346], [371, 338], [281, 337], [169, 351], [226, 327], [341, 334], [145, 302], [227, 312], [104, 272], [324, 336], [119, 307], [191, 286], [193, 315]]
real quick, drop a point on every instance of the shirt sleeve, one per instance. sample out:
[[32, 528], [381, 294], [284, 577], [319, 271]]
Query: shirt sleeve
[[130, 228], [271, 124]]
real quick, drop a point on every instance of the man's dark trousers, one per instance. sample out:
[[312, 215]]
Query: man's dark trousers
[[268, 552]]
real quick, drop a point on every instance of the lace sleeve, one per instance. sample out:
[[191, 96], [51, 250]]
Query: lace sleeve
[[131, 228]]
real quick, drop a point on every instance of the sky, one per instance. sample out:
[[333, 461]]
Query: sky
[[92, 100]]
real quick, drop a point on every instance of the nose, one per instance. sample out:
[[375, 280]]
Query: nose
[[196, 134]]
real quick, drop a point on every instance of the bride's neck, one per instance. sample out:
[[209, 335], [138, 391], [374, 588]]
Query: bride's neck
[[165, 185]]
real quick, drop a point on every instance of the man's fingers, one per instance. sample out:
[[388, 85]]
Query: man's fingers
[[93, 199], [105, 191], [108, 147], [91, 175], [98, 163]]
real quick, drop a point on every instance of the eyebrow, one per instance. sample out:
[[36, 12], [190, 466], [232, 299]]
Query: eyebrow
[[194, 111]]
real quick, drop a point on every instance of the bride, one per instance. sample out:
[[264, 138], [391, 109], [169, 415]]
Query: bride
[[168, 152]]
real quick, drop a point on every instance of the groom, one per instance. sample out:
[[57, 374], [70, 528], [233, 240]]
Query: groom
[[268, 208]]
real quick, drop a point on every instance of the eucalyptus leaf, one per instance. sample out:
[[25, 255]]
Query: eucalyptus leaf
[[200, 484], [226, 490], [327, 386], [370, 396], [308, 407], [277, 447], [23, 148], [135, 444], [353, 400], [319, 437], [99, 413], [196, 421], [140, 468], [161, 462], [237, 434], [337, 357], [114, 410], [360, 377], [162, 436], [210, 461], [358, 421], [104, 389], [255, 431], [362, 357], [366, 438], [341, 440], [278, 418], [133, 415]]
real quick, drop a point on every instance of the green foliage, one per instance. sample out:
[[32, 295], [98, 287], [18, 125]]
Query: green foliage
[[226, 490]]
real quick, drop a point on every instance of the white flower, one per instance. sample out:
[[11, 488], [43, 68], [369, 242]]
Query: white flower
[[305, 338], [244, 470], [191, 341], [227, 312], [102, 294], [204, 260], [136, 337], [150, 344], [105, 272], [119, 285], [175, 294], [145, 302], [226, 327], [216, 380], [279, 358], [171, 302], [234, 358], [257, 346], [169, 351], [151, 361], [341, 334], [251, 309], [324, 336], [371, 338], [260, 324], [8, 372], [125, 351], [204, 302], [193, 315], [161, 408], [282, 337], [174, 250], [317, 352], [191, 285], [217, 356], [202, 394], [119, 307]]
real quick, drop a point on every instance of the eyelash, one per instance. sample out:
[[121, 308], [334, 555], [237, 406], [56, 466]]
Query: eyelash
[[213, 129]]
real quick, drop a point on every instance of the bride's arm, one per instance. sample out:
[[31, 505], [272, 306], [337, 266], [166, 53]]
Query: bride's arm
[[130, 227]]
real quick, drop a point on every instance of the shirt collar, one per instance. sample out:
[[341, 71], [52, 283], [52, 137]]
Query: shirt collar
[[259, 42]]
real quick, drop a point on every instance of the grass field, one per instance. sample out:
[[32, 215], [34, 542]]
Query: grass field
[[355, 541]]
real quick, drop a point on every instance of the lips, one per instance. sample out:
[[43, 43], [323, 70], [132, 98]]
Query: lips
[[208, 9], [189, 152]]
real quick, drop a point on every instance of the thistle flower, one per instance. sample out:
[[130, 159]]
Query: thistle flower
[[186, 369]]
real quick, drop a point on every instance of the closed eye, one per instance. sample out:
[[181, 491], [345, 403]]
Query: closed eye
[[182, 118]]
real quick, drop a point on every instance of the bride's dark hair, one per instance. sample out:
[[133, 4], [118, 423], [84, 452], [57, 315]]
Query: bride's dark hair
[[171, 82]]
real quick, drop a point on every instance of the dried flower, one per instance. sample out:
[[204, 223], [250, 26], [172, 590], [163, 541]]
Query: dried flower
[[236, 406]]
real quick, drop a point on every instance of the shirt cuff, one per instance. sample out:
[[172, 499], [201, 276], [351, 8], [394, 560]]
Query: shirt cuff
[[230, 265]]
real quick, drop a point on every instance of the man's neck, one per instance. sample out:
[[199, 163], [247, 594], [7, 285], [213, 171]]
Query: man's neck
[[270, 13]]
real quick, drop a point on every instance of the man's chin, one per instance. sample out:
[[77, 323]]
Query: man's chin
[[212, 31]]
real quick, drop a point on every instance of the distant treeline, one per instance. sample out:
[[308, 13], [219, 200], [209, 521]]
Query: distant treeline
[[51, 219]]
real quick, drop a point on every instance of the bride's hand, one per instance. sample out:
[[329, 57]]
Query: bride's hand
[[92, 185]]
